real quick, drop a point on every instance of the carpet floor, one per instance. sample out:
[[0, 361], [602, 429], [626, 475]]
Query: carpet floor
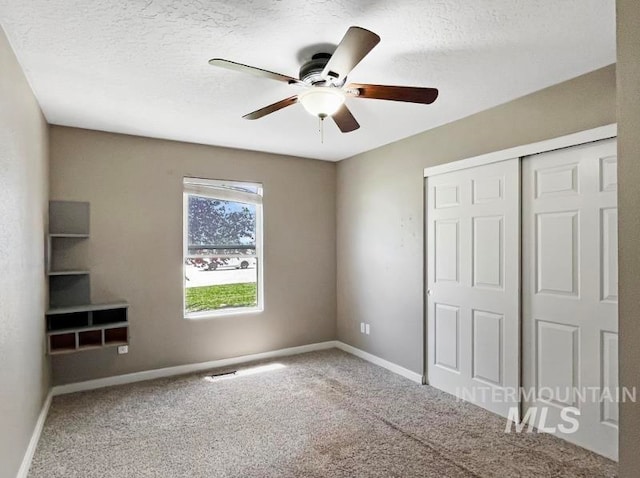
[[321, 414]]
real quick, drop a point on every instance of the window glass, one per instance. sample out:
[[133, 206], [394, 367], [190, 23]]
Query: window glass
[[222, 248]]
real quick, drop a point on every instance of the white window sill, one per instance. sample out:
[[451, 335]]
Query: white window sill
[[213, 314]]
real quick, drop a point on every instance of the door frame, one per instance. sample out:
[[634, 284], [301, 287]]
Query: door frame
[[566, 141]]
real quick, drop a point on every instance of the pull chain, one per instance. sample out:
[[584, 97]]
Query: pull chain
[[321, 128]]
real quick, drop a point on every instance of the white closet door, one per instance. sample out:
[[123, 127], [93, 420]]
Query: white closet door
[[473, 276], [570, 283]]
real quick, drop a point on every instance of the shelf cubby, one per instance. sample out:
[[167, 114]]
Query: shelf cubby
[[62, 343], [68, 218], [110, 316], [66, 290], [116, 336], [89, 338], [67, 321]]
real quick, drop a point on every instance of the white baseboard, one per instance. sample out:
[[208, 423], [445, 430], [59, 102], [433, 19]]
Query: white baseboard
[[406, 373], [35, 438], [198, 367], [185, 369]]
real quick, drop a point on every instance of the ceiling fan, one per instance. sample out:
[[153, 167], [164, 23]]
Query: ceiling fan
[[324, 80]]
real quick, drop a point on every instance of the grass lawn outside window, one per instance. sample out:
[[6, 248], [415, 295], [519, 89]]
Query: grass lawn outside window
[[215, 297]]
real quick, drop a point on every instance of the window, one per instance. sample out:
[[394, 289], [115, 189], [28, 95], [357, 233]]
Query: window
[[222, 247]]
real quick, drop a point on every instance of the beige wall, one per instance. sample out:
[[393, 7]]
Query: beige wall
[[380, 207], [24, 371], [628, 19], [134, 185]]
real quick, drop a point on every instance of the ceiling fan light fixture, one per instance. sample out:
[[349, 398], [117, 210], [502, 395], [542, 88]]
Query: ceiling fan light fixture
[[322, 101]]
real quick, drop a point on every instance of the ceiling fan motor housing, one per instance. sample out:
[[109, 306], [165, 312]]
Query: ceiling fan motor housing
[[311, 71]]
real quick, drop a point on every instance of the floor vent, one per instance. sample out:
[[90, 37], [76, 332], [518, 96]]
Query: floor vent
[[222, 375]]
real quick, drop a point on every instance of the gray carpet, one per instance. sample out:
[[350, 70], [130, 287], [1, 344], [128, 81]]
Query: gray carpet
[[324, 414]]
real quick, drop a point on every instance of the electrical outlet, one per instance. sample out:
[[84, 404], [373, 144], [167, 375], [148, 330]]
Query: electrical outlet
[[367, 329], [362, 327], [123, 349]]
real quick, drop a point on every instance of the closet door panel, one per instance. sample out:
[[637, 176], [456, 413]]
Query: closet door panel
[[570, 316], [473, 239]]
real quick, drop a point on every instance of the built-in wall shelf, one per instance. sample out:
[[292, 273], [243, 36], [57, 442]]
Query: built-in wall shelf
[[73, 323], [77, 339], [88, 307], [68, 236], [67, 273]]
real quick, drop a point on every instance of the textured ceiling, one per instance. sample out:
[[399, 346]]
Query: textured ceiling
[[140, 67]]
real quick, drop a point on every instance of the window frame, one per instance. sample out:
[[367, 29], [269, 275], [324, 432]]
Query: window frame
[[208, 188]]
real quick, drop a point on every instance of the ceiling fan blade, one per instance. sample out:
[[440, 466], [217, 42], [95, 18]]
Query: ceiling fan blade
[[345, 120], [252, 70], [410, 94], [355, 45], [271, 108]]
